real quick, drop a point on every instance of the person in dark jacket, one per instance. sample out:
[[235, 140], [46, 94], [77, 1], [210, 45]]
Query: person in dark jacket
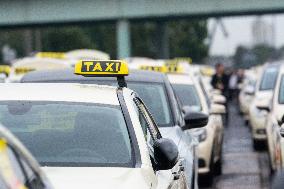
[[220, 80]]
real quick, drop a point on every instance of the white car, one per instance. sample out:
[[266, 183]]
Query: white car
[[210, 137], [157, 92], [258, 109], [25, 65], [274, 124], [18, 168], [94, 136], [246, 95]]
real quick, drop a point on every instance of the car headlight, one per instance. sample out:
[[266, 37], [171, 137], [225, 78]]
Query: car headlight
[[201, 134]]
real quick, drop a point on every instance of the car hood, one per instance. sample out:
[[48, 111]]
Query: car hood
[[90, 177]]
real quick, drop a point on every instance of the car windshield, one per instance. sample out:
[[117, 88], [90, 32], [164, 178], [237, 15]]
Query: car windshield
[[155, 97], [269, 78], [188, 96], [281, 91], [70, 134]]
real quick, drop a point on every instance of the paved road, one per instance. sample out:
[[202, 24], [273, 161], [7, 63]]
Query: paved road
[[243, 168]]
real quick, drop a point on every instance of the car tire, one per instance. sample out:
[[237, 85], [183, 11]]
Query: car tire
[[218, 167], [219, 163], [258, 145], [206, 180]]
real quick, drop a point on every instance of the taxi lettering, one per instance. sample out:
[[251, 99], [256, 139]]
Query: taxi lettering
[[111, 68], [57, 55], [153, 68], [99, 67], [22, 70]]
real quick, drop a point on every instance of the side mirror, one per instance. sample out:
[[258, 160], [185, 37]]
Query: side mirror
[[217, 109], [219, 99], [165, 153], [195, 120], [282, 130], [262, 106]]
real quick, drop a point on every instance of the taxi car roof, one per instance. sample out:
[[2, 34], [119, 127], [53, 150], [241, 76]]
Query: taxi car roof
[[68, 75], [66, 92], [181, 79]]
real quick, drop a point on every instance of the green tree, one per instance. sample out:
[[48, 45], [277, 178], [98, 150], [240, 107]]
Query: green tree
[[187, 39], [143, 39], [13, 38], [103, 37], [63, 39], [264, 53]]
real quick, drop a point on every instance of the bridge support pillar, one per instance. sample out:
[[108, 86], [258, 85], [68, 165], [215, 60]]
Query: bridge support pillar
[[163, 40], [123, 39]]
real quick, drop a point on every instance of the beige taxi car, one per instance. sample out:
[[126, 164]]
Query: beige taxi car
[[274, 124], [261, 102], [22, 66], [210, 137]]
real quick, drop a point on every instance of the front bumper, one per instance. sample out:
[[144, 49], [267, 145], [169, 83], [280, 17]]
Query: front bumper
[[257, 123]]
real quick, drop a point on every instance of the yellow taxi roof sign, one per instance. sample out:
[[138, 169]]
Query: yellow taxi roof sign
[[166, 68], [162, 69], [5, 69], [57, 55], [101, 68]]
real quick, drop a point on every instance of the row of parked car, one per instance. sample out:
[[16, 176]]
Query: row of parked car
[[50, 111], [262, 103]]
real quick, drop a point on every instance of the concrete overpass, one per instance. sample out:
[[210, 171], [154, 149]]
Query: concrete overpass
[[18, 13]]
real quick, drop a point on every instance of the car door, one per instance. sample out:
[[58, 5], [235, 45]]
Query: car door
[[174, 178]]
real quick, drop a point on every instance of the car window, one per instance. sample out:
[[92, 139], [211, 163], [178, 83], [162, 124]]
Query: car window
[[268, 79], [208, 101], [150, 129], [155, 96], [70, 134], [188, 96], [146, 120], [281, 91]]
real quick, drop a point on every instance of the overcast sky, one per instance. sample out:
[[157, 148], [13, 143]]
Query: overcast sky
[[239, 30]]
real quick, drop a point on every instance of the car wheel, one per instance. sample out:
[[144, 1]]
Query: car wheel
[[218, 167], [219, 163], [206, 180], [258, 145], [270, 161]]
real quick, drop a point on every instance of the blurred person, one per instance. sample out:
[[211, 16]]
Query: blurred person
[[220, 80], [233, 85]]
